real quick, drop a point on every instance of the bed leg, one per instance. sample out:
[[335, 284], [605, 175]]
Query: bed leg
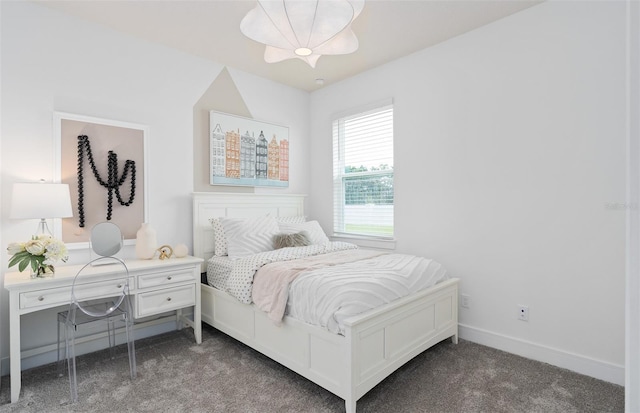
[[454, 339], [349, 406]]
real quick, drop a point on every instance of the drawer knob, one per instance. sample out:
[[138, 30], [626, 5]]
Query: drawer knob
[[41, 298], [168, 298], [169, 277], [120, 286]]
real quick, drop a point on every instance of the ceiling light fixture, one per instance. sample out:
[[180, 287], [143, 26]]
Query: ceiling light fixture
[[303, 29]]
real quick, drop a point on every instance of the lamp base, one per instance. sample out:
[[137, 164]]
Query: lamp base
[[43, 228]]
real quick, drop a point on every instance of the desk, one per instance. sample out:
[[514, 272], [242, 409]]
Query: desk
[[156, 286]]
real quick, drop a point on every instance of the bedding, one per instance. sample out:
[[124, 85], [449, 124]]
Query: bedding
[[323, 284], [296, 219], [326, 290], [271, 283], [297, 239], [313, 228], [219, 239], [218, 271], [285, 224], [240, 281], [250, 236]]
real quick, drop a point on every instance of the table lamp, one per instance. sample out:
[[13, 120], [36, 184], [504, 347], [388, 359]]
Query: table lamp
[[41, 200]]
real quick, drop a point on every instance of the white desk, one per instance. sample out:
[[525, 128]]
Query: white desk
[[156, 286]]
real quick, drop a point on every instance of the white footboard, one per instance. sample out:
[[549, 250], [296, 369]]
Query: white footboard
[[375, 344]]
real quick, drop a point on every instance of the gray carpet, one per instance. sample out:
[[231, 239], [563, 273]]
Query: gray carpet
[[223, 375]]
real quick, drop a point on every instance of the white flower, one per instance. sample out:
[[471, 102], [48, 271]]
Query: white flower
[[35, 247], [15, 247], [40, 251], [55, 251]]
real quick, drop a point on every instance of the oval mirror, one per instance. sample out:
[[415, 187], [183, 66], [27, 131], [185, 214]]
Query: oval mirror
[[106, 239]]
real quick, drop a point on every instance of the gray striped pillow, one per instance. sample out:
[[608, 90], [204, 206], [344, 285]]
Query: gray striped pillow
[[249, 236]]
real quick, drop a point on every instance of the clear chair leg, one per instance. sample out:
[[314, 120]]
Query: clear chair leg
[[71, 361], [111, 331], [130, 346], [60, 347]]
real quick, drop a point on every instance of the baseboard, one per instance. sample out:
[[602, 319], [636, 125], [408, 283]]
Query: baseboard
[[598, 369]]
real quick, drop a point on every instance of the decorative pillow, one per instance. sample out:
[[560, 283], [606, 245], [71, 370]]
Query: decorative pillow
[[249, 236], [313, 229], [220, 239], [296, 219], [298, 239]]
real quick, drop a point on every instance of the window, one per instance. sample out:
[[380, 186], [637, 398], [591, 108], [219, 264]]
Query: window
[[363, 173]]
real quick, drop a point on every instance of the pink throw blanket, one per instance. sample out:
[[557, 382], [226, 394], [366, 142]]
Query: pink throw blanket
[[271, 282]]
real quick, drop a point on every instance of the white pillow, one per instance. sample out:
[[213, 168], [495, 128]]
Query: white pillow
[[219, 238], [296, 219], [249, 236], [313, 228]]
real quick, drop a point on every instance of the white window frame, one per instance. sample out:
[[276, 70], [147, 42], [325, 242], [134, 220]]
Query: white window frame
[[379, 241]]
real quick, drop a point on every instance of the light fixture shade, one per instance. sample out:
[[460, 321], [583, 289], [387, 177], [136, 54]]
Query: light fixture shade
[[303, 29], [40, 200]]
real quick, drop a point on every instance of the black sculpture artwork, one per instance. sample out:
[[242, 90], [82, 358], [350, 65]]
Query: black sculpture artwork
[[113, 182]]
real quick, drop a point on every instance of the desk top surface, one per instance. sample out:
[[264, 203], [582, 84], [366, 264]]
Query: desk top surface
[[65, 273]]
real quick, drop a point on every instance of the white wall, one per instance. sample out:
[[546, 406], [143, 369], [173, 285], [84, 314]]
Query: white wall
[[1, 186], [510, 169], [54, 62], [632, 348]]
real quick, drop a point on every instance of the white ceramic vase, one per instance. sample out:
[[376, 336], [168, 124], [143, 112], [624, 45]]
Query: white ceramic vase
[[146, 242]]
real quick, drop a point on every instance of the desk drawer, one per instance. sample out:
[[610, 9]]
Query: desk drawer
[[60, 296], [165, 278], [167, 299]]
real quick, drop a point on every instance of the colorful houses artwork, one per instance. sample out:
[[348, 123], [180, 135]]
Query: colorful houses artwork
[[242, 154]]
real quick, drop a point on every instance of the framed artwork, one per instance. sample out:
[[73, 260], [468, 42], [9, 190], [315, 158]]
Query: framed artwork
[[247, 152], [105, 164]]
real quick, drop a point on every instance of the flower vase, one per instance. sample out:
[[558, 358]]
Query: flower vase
[[43, 271], [146, 242]]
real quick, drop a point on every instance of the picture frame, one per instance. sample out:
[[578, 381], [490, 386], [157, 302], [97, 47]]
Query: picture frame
[[247, 152], [121, 144]]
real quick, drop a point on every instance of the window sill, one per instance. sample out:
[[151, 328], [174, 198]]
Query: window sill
[[382, 244]]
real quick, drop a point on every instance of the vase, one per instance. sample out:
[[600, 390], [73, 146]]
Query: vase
[[146, 242], [43, 271]]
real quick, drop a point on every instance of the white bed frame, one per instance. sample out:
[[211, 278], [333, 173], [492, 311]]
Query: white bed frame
[[375, 344]]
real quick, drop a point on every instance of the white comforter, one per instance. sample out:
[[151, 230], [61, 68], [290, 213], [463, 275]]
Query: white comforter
[[272, 282], [240, 281], [328, 283], [326, 297]]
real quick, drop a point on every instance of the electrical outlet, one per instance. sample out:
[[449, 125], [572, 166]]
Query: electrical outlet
[[465, 300], [523, 313]]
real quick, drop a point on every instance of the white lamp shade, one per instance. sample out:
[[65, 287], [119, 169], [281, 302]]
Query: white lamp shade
[[40, 200]]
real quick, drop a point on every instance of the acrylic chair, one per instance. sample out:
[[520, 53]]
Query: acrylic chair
[[109, 306]]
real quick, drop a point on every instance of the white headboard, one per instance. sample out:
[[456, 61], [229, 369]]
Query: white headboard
[[208, 205]]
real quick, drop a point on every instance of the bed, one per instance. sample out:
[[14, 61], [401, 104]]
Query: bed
[[372, 344]]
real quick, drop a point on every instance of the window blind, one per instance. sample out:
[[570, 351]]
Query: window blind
[[363, 173]]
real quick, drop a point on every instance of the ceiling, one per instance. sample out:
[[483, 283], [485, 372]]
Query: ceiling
[[386, 30]]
